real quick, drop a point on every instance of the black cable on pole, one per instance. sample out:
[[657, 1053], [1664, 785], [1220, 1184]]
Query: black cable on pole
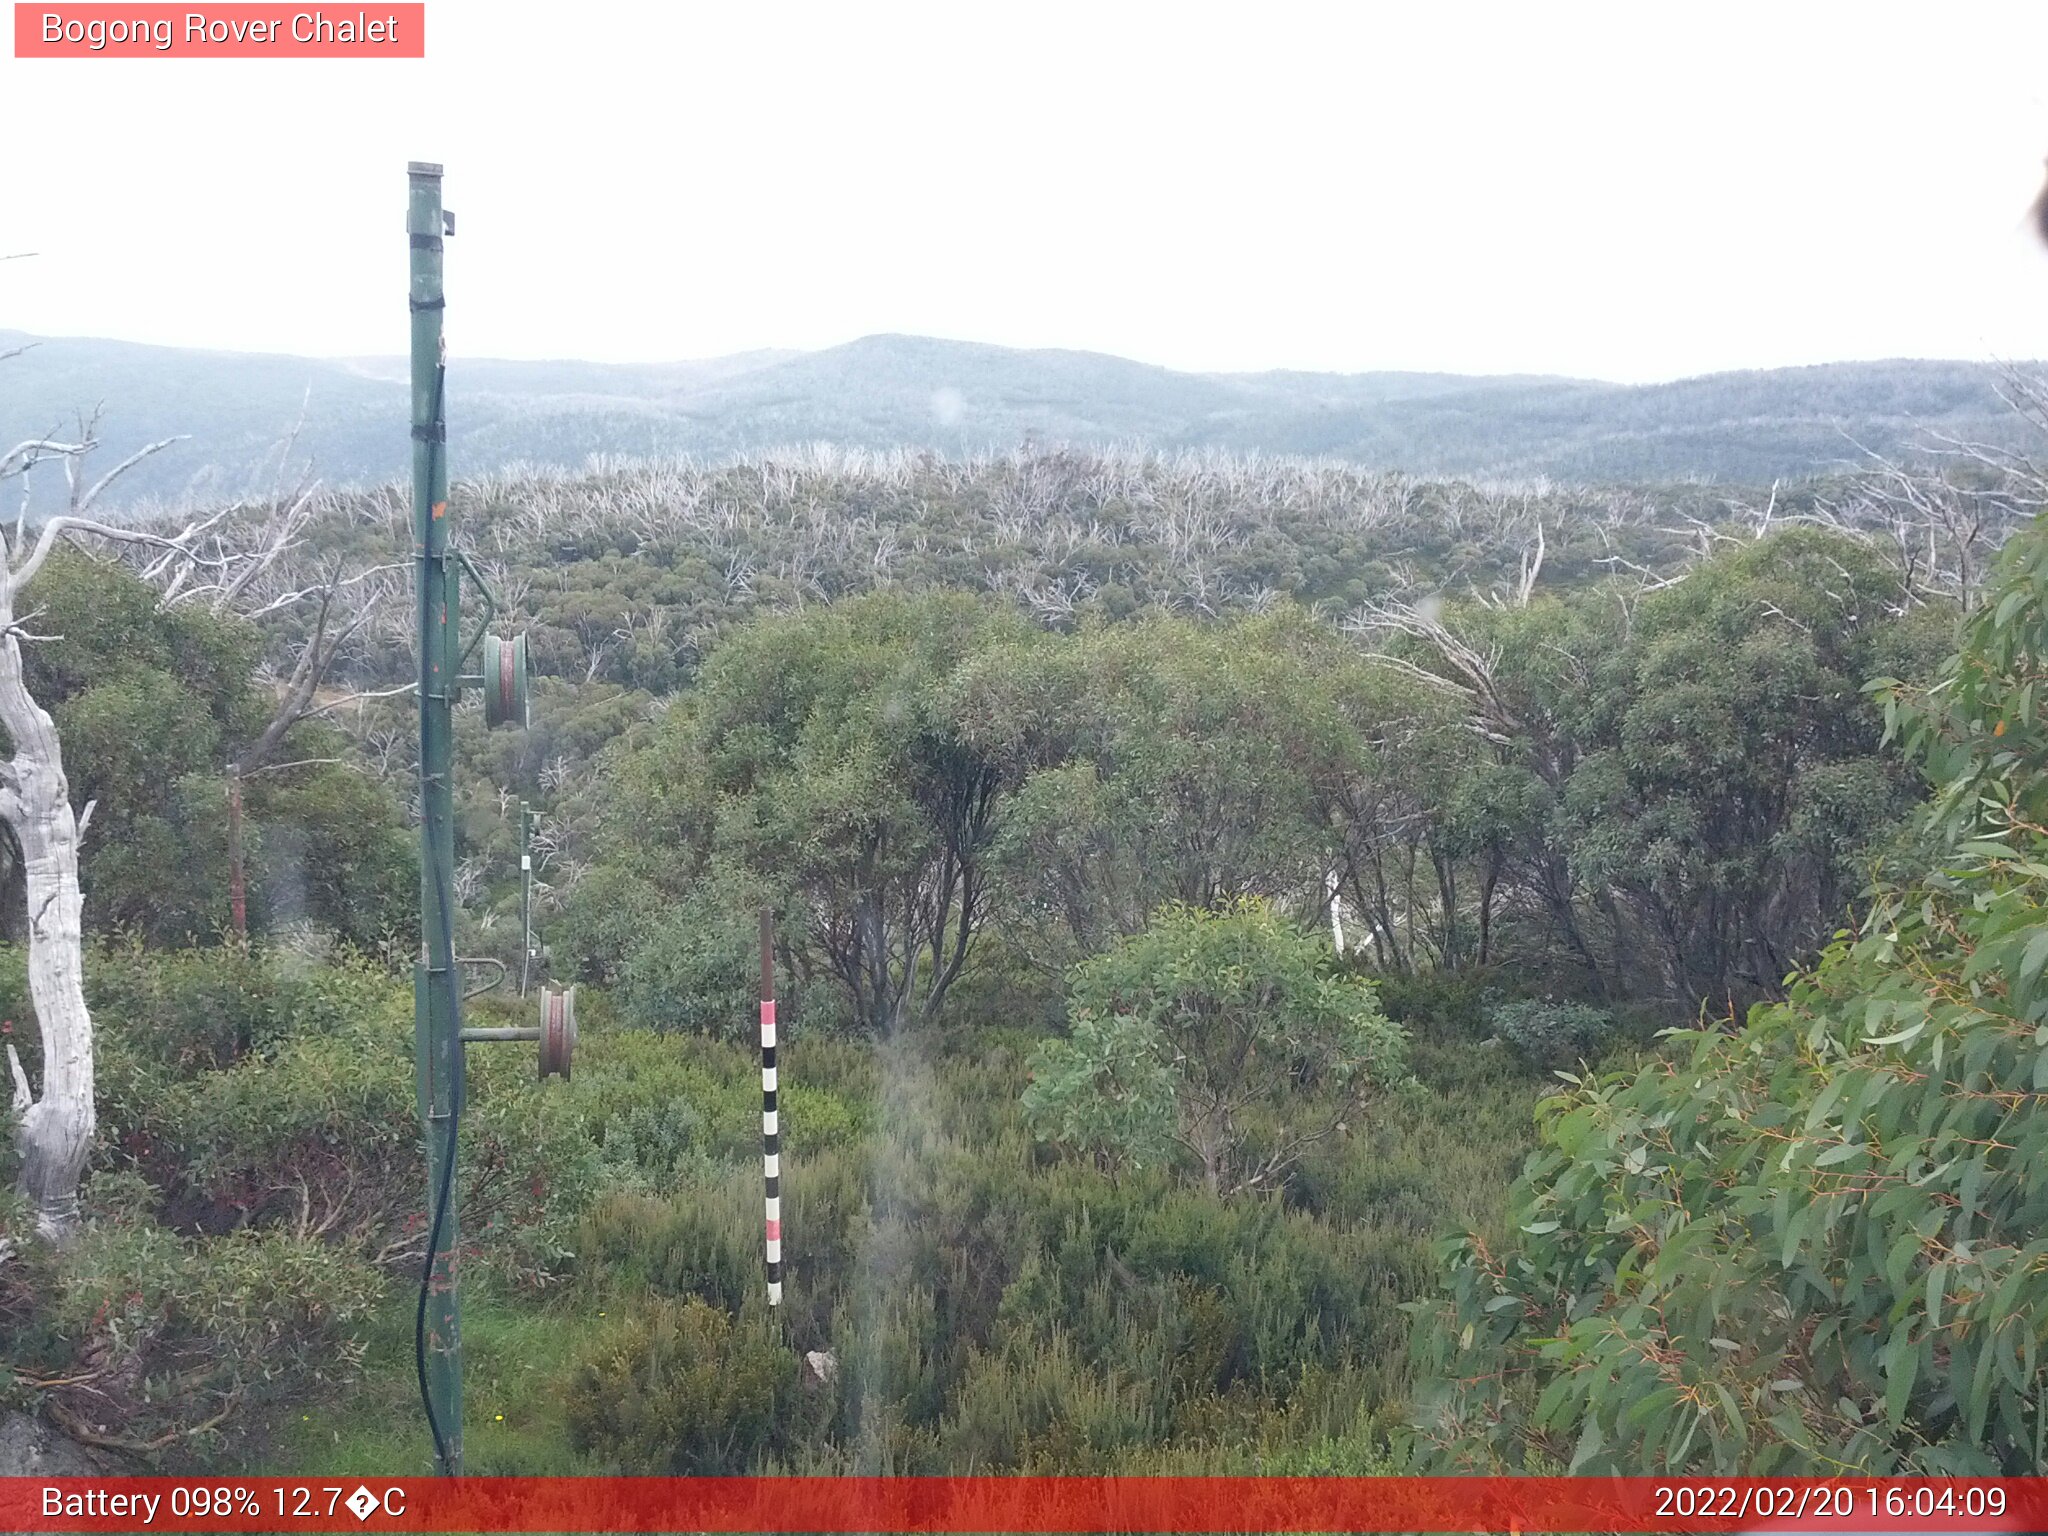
[[419, 1333], [419, 1330]]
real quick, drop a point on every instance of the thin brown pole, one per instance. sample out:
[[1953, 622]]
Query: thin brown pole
[[238, 897]]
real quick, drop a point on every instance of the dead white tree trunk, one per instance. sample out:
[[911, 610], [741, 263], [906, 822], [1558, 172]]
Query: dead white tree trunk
[[54, 1128]]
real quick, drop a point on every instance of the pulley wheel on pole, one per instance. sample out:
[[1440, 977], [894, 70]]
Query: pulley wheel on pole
[[557, 1031], [504, 680]]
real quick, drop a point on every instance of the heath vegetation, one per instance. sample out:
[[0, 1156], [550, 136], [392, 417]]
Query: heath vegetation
[[1284, 968]]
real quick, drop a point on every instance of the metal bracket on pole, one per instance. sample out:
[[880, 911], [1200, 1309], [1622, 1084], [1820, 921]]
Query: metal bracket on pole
[[484, 623], [497, 980]]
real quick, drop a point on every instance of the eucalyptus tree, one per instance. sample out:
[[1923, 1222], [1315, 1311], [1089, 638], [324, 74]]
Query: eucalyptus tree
[[819, 755], [1812, 1243], [1169, 760], [1222, 1039], [1693, 791]]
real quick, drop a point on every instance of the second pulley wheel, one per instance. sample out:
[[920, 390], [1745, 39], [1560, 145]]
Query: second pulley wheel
[[504, 677]]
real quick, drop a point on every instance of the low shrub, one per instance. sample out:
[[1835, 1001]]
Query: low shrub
[[1039, 1406], [1547, 1034], [656, 1102], [1439, 1006], [160, 1345], [685, 1388], [255, 1089]]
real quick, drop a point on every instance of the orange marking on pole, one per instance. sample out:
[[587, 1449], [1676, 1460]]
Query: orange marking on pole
[[440, 508]]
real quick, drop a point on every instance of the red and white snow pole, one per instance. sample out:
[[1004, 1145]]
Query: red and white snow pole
[[771, 1129]]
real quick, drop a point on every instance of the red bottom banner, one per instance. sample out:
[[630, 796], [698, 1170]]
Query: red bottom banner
[[1024, 1504]]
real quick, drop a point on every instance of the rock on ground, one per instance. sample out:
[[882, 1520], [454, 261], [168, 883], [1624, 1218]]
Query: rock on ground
[[30, 1448]]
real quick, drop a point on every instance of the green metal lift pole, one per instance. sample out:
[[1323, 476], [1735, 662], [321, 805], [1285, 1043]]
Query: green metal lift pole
[[435, 980]]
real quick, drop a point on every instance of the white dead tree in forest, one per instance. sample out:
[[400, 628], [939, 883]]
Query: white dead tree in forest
[[1468, 674], [1943, 525], [54, 1129]]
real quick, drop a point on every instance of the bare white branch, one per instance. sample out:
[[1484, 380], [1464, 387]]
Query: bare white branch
[[24, 1095], [84, 503]]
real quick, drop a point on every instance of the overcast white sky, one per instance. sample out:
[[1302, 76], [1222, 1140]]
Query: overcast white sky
[[1634, 192]]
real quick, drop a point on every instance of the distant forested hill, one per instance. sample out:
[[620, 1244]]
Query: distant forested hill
[[962, 397]]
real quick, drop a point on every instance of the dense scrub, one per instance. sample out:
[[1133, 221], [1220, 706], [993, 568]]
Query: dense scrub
[[631, 574], [153, 704], [987, 1301], [1812, 1241], [1672, 797], [1189, 880]]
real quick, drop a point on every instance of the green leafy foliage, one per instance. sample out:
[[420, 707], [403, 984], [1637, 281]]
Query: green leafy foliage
[[1223, 1037], [988, 1306], [144, 699], [150, 704], [1811, 1242], [257, 1089], [328, 846], [1107, 1088], [695, 964], [153, 1342], [687, 1389], [1202, 763], [819, 759], [1707, 792], [1550, 1034], [967, 811]]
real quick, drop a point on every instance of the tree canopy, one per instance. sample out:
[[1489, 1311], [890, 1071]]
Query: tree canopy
[[1223, 1038], [1812, 1242], [153, 702]]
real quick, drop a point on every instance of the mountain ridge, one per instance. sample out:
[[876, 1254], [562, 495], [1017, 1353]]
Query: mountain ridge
[[957, 397]]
